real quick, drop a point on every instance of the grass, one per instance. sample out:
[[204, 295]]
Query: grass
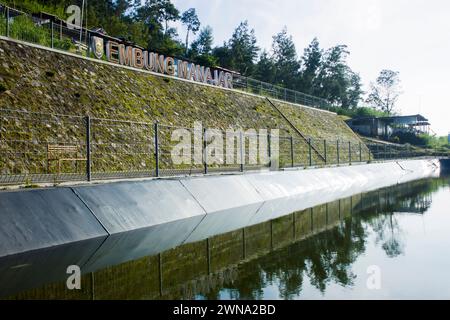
[[3, 87], [23, 28]]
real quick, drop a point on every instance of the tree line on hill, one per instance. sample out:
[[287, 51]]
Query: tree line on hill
[[320, 72]]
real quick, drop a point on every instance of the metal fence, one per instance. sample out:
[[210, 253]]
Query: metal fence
[[58, 35], [272, 91], [53, 148], [18, 25]]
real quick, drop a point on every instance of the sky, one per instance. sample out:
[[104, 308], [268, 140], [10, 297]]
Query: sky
[[411, 37]]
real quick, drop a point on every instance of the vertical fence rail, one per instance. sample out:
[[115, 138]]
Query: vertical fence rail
[[360, 152], [350, 152], [53, 36], [292, 151], [269, 148], [337, 153], [204, 151], [241, 151], [156, 134], [7, 22], [88, 148], [310, 152]]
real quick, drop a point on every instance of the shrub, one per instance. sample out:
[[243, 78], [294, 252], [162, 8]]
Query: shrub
[[23, 28], [63, 44], [2, 25]]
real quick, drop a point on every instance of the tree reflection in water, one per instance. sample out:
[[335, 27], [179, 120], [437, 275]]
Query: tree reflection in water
[[328, 257], [316, 247]]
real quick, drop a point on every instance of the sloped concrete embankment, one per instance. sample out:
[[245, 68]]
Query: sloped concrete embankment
[[171, 212]]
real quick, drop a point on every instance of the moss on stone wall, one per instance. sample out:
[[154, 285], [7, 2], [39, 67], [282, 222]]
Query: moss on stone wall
[[38, 80]]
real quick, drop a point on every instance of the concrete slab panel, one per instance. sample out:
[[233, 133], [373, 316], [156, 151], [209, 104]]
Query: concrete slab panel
[[35, 219], [127, 246], [220, 193], [224, 221], [126, 206], [36, 268]]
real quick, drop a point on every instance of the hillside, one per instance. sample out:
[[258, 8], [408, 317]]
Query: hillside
[[38, 80]]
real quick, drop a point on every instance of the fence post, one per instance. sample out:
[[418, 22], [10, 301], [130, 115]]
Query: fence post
[[385, 152], [310, 152], [337, 148], [53, 44], [350, 152], [292, 152], [156, 149], [88, 148], [325, 150], [7, 22], [360, 152], [241, 150], [269, 151], [205, 154], [88, 44]]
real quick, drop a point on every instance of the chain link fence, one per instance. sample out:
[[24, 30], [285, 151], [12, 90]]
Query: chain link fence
[[53, 148]]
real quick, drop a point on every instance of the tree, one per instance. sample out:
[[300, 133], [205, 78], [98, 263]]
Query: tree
[[384, 93], [169, 13], [354, 90], [201, 48], [244, 49], [285, 58], [311, 61], [265, 68], [153, 14], [223, 56], [191, 21], [334, 75], [203, 44]]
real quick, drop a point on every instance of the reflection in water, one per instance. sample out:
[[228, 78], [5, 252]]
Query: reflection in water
[[311, 253]]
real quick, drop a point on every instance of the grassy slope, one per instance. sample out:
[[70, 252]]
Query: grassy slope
[[38, 80]]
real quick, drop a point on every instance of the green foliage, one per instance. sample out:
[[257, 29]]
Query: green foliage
[[385, 92], [311, 60], [63, 44], [334, 78], [201, 48], [319, 72], [192, 23], [2, 25], [322, 73], [23, 28], [3, 87], [360, 112], [56, 7], [285, 60], [244, 49], [203, 44], [265, 69], [422, 140], [240, 52]]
